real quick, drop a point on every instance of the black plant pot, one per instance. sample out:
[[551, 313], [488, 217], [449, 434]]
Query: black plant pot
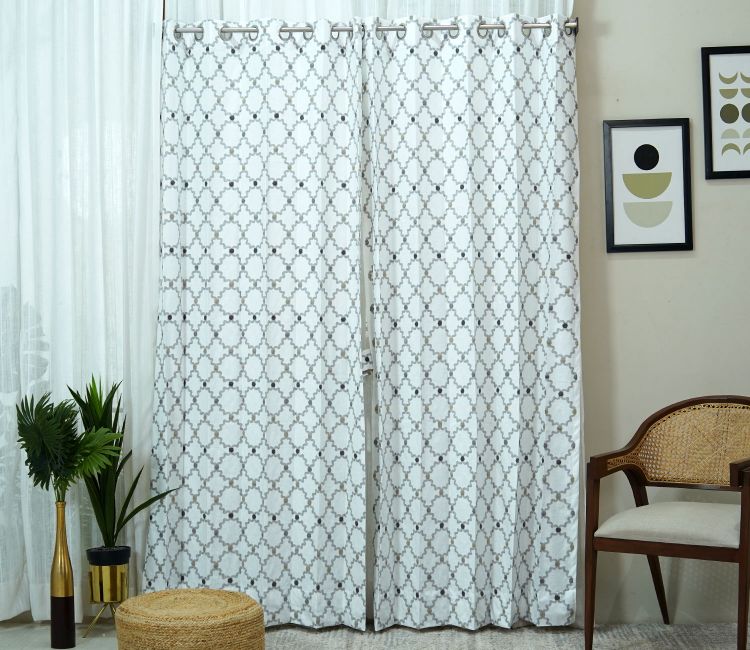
[[108, 575], [108, 555]]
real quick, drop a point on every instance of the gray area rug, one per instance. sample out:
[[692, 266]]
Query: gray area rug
[[35, 636], [650, 636]]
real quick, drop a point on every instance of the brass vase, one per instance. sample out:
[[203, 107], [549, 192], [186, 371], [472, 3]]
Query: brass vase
[[62, 609]]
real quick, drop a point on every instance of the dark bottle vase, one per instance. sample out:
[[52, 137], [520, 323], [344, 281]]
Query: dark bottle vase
[[62, 608]]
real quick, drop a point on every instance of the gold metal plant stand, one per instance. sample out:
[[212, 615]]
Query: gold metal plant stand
[[107, 585]]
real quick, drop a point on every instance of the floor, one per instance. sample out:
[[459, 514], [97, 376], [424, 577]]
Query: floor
[[32, 636]]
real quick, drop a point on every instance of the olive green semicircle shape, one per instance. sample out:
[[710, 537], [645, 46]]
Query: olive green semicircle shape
[[729, 80], [745, 91], [731, 146], [730, 134], [728, 93], [745, 78], [647, 214], [747, 148], [647, 186]]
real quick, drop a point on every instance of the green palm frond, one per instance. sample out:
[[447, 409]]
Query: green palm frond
[[100, 411], [97, 449], [56, 453]]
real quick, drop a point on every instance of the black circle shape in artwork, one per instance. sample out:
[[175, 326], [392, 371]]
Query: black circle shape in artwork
[[646, 157], [729, 113], [746, 112]]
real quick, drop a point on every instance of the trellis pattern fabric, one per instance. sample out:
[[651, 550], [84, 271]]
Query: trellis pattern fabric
[[458, 150], [471, 197], [259, 408]]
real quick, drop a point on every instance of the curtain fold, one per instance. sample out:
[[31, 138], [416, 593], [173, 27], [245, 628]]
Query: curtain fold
[[259, 407], [471, 210], [78, 254]]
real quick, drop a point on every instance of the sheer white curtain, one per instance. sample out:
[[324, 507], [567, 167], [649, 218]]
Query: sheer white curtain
[[79, 174], [79, 186]]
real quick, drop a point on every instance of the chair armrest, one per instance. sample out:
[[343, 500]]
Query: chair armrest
[[738, 471], [598, 466]]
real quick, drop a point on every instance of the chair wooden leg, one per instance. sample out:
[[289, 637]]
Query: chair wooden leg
[[653, 564], [742, 604], [590, 595]]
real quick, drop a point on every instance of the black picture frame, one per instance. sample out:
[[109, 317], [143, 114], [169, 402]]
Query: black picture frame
[[708, 118], [612, 245]]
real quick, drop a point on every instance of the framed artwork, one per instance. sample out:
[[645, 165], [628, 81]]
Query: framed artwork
[[647, 185], [726, 111]]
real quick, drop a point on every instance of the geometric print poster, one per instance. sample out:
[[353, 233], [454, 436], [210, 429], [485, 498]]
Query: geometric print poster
[[472, 223], [726, 111], [648, 185]]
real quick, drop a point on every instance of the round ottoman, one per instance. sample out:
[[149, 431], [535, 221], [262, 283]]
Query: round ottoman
[[200, 619]]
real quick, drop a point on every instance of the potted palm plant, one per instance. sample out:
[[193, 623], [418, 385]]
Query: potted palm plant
[[57, 455], [108, 564]]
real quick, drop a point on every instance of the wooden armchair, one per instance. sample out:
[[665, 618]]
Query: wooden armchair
[[701, 443]]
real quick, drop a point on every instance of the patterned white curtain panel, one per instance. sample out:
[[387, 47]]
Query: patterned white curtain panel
[[457, 152], [259, 408], [471, 199]]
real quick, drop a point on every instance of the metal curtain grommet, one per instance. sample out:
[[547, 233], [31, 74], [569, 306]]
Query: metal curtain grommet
[[283, 31], [401, 32], [224, 34], [482, 31], [254, 34], [177, 34], [525, 29], [454, 31], [199, 35], [307, 34], [338, 29], [571, 27]]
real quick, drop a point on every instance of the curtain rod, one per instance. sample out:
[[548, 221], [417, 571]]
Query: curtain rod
[[571, 25]]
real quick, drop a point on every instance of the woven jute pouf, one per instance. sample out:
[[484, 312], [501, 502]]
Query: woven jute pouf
[[199, 619]]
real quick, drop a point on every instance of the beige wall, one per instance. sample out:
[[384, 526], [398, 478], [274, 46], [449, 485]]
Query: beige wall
[[658, 327]]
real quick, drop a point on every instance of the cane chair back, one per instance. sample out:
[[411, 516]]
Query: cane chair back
[[692, 445]]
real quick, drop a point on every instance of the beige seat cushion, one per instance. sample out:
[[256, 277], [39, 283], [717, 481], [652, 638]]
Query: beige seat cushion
[[683, 522]]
